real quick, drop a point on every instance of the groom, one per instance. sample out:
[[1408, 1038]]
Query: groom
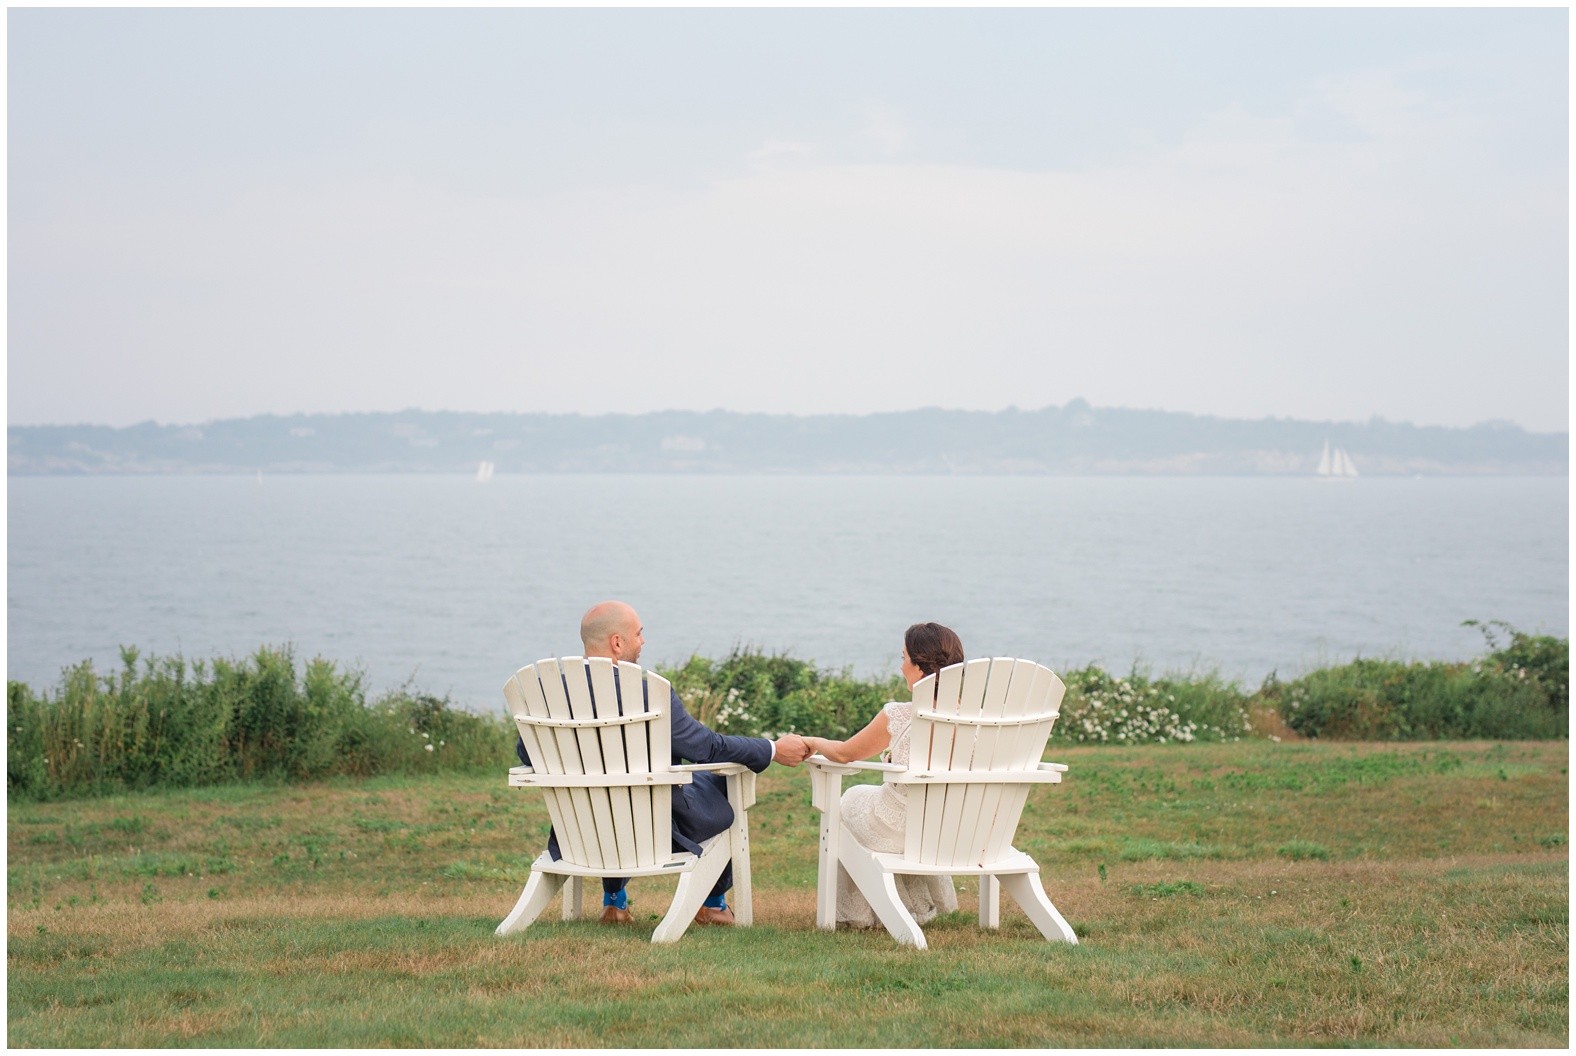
[[700, 809]]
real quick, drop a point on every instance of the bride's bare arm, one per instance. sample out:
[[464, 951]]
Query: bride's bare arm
[[862, 745]]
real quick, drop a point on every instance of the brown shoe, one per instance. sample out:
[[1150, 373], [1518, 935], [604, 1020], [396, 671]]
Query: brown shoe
[[707, 915], [614, 915]]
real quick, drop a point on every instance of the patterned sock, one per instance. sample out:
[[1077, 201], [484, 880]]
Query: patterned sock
[[619, 898], [716, 902]]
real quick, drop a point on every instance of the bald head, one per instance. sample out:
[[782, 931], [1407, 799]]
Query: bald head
[[612, 629]]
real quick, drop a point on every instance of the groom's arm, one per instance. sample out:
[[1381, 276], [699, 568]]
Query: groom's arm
[[692, 740]]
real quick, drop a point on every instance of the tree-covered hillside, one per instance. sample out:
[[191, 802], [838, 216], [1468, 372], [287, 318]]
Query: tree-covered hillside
[[1076, 438]]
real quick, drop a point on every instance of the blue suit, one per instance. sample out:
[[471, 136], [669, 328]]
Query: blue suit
[[700, 809]]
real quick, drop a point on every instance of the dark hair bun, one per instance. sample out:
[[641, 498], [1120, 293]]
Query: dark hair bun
[[932, 647]]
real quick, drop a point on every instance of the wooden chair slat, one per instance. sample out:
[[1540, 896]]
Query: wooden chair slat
[[604, 699], [659, 694], [637, 753], [543, 757], [924, 699], [1027, 747], [542, 751], [578, 684], [938, 740], [580, 846], [1019, 701], [976, 676], [980, 801], [1013, 800], [977, 756]]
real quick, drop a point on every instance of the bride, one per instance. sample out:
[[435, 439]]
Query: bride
[[876, 815]]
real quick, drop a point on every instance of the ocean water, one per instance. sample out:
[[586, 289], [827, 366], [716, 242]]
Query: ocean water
[[451, 585]]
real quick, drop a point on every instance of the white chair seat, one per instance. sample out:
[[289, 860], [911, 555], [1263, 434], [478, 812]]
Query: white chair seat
[[1015, 862]]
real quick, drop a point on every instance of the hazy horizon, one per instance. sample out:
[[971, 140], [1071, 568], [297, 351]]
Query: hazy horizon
[[1321, 214], [1487, 422]]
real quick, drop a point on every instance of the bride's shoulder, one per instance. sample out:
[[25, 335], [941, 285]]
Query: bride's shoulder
[[898, 709]]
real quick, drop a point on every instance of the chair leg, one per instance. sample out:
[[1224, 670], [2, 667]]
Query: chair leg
[[739, 849], [880, 890], [990, 901], [573, 898], [1025, 889], [827, 788], [693, 888], [539, 891]]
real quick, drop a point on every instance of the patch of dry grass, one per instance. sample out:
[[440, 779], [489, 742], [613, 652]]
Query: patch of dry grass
[[1252, 894]]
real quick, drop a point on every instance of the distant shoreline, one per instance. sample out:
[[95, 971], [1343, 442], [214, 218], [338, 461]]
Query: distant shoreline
[[469, 474], [1075, 440]]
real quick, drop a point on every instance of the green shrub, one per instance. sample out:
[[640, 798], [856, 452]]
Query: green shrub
[[1520, 692], [166, 722], [1101, 708], [169, 723], [1540, 659], [755, 695]]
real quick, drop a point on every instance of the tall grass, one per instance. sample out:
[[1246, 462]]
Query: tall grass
[[170, 723], [167, 722], [1520, 691]]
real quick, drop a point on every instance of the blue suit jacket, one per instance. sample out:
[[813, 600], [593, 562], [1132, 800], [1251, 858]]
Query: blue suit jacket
[[700, 809]]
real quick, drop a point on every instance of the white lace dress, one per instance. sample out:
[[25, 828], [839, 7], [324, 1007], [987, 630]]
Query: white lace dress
[[877, 815]]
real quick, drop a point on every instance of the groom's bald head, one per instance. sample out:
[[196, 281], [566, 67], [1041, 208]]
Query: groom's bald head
[[612, 629]]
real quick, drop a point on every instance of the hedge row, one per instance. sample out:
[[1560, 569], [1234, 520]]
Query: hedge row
[[172, 724], [168, 723]]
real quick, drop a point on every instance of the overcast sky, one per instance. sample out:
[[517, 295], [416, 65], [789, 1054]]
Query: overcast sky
[[1322, 214]]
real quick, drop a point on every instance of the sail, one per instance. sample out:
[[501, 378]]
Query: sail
[[1343, 464], [484, 472], [1324, 461]]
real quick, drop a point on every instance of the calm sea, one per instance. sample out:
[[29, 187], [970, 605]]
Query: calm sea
[[451, 584]]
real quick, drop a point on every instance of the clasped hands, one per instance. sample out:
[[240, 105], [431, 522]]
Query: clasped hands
[[792, 750]]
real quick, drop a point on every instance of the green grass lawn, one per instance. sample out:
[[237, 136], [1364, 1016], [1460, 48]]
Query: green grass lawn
[[1237, 894]]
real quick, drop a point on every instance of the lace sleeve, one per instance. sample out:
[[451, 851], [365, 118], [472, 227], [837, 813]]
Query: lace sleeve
[[899, 717]]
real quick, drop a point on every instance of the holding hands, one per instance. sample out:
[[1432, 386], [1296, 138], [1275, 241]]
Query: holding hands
[[791, 750]]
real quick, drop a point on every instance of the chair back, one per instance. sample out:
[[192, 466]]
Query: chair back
[[569, 716], [980, 715]]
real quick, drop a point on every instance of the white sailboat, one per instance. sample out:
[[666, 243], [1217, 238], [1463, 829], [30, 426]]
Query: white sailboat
[[484, 472], [1335, 464]]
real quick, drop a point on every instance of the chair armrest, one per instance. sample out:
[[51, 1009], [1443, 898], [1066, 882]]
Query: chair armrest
[[976, 777], [844, 768], [740, 777], [522, 770], [597, 780], [1060, 768]]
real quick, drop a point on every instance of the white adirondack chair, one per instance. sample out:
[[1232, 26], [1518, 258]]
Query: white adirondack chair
[[974, 754], [609, 779]]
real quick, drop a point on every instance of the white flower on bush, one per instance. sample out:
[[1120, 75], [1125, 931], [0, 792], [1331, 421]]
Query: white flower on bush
[[1132, 714]]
